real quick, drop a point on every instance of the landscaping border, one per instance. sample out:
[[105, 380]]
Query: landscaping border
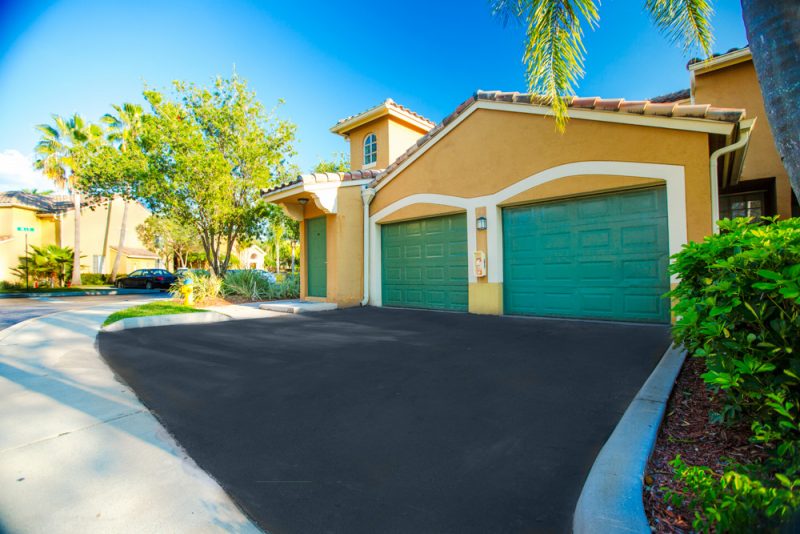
[[611, 499], [166, 320]]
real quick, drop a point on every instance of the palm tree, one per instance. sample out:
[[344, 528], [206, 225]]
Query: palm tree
[[57, 155], [554, 53], [124, 128], [51, 262]]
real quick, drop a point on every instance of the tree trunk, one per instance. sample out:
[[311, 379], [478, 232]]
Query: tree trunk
[[277, 255], [292, 268], [773, 30], [105, 237], [76, 255], [123, 229]]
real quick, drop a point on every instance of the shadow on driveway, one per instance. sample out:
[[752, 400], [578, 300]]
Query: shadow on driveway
[[392, 421]]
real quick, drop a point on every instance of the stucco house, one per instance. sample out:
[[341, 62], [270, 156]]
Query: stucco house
[[52, 218], [493, 211]]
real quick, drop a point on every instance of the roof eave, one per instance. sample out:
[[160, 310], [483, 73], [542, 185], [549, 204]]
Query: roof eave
[[381, 110], [721, 61]]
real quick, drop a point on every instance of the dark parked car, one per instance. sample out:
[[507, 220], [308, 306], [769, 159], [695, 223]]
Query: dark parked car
[[147, 279]]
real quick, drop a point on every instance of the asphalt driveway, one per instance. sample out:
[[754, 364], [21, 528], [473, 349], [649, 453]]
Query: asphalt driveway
[[392, 421]]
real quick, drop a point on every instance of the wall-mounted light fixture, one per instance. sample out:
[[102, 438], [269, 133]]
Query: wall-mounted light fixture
[[481, 223], [303, 201]]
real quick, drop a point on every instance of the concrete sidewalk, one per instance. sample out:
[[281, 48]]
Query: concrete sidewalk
[[79, 452]]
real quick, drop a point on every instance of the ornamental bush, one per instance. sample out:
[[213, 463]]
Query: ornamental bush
[[738, 307]]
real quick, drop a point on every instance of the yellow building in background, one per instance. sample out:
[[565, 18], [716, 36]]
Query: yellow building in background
[[52, 220]]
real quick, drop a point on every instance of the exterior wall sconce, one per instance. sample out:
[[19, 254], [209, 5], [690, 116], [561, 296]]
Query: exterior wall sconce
[[481, 223], [302, 201]]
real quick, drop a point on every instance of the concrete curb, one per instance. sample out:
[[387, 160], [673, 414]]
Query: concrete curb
[[611, 499], [298, 306], [166, 320], [86, 293]]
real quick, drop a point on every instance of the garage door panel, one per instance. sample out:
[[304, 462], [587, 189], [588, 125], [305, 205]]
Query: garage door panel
[[607, 259], [432, 266]]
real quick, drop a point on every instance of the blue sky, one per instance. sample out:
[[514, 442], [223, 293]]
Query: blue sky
[[327, 60]]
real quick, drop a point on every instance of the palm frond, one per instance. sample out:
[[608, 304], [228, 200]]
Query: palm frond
[[48, 131], [685, 22], [554, 51]]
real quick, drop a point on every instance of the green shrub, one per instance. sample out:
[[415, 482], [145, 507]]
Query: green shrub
[[254, 286], [206, 287], [248, 284], [734, 502], [738, 308], [96, 279]]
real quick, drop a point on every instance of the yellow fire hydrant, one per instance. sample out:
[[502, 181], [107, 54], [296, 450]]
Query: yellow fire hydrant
[[187, 289]]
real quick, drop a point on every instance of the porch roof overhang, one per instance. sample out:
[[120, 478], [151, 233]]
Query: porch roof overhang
[[321, 188]]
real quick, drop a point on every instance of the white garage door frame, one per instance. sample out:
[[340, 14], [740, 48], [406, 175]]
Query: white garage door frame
[[673, 176]]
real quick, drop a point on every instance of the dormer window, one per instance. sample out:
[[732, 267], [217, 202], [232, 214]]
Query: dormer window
[[370, 149]]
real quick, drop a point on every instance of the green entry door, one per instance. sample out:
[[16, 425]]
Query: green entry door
[[602, 257], [424, 263], [317, 257]]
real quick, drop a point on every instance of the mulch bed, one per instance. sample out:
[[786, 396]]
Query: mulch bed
[[686, 431]]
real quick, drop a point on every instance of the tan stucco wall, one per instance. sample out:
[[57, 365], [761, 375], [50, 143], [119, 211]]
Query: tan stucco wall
[[10, 251], [418, 211], [380, 128], [62, 233], [93, 229], [737, 86], [491, 150], [581, 184], [345, 248], [394, 137]]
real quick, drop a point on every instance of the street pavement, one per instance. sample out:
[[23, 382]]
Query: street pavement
[[13, 311]]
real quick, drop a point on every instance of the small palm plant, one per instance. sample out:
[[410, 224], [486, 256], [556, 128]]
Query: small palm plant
[[51, 263]]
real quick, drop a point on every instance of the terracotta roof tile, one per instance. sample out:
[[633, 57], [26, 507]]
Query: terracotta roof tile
[[611, 105], [392, 104], [42, 203], [323, 177], [683, 94]]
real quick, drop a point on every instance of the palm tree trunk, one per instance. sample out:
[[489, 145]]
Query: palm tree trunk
[[774, 35], [277, 255], [123, 229], [292, 268], [105, 237], [76, 255]]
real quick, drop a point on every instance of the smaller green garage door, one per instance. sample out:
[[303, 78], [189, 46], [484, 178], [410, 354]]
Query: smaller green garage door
[[424, 263], [602, 257]]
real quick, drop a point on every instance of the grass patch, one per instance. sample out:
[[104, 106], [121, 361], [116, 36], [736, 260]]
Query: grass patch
[[151, 308]]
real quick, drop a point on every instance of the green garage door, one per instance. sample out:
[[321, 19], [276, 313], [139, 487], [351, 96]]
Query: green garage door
[[602, 257], [424, 263]]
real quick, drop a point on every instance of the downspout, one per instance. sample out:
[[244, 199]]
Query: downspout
[[367, 194], [744, 137]]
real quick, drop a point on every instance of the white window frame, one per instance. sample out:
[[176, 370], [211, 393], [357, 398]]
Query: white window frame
[[371, 156]]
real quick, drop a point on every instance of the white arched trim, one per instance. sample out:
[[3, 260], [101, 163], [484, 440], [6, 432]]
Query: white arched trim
[[672, 175]]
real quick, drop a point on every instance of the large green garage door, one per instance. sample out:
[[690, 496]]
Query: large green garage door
[[424, 263], [599, 257]]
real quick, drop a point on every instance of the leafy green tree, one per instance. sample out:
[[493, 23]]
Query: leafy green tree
[[124, 130], [554, 53], [339, 163], [51, 263], [169, 238], [58, 157], [209, 152]]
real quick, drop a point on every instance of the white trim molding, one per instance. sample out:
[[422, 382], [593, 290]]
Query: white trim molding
[[673, 176]]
